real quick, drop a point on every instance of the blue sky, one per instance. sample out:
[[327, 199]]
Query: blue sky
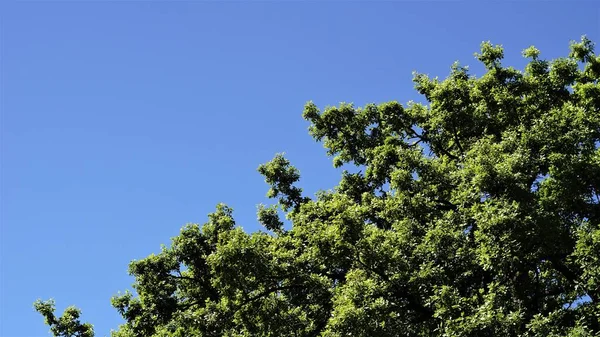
[[122, 121]]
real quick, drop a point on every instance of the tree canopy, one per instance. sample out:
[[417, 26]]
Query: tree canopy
[[476, 214]]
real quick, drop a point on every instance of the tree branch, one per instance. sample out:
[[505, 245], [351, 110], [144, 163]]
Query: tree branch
[[268, 292], [572, 277], [434, 146]]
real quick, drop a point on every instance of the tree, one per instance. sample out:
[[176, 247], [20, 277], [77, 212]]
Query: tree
[[68, 325], [477, 214]]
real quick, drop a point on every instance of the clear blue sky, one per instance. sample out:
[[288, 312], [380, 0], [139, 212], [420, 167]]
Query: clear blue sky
[[122, 121]]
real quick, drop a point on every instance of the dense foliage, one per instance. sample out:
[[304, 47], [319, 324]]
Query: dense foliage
[[477, 214]]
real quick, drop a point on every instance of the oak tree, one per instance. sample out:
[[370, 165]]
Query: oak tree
[[476, 214]]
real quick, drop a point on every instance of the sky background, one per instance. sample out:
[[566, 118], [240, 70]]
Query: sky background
[[121, 121]]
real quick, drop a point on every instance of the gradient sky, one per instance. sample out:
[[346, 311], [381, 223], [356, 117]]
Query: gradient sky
[[121, 121]]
